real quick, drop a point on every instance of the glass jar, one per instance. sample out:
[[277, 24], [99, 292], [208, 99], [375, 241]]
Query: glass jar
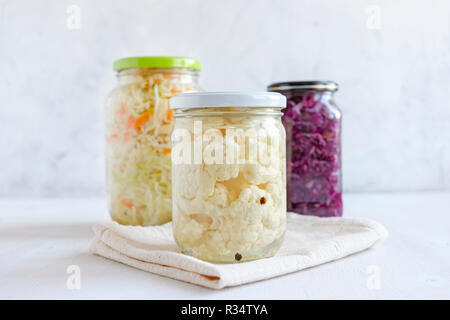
[[229, 175], [313, 135], [138, 126]]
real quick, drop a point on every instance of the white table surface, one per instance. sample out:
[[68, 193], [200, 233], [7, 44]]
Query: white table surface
[[40, 238]]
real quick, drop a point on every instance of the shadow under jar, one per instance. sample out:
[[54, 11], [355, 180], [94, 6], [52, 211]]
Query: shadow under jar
[[313, 136], [229, 175], [138, 124]]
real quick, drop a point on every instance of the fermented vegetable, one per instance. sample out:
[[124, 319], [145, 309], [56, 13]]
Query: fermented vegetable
[[232, 209], [138, 127], [313, 143]]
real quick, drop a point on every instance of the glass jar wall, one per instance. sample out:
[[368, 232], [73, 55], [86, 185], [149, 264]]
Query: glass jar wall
[[138, 127], [228, 167], [313, 134]]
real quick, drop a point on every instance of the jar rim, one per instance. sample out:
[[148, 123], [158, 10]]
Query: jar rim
[[158, 62], [324, 85], [227, 99], [151, 71]]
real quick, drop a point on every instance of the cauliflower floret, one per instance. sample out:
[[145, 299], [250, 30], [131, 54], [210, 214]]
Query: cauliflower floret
[[222, 172], [225, 166], [267, 159], [188, 229], [191, 181], [259, 174], [212, 204], [275, 190], [253, 202], [220, 196]]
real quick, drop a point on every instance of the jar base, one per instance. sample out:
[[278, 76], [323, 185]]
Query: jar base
[[268, 251]]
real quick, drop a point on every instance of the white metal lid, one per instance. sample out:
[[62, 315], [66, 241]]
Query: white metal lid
[[227, 99]]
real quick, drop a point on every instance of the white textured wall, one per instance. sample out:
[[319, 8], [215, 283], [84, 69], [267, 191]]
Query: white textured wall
[[394, 77]]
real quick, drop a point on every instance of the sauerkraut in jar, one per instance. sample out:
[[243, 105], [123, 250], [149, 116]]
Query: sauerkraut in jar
[[228, 175], [138, 127]]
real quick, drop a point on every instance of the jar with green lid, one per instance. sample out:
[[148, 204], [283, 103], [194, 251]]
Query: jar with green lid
[[138, 124], [228, 173]]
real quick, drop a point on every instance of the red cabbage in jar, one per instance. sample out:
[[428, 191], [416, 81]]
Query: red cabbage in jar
[[313, 136]]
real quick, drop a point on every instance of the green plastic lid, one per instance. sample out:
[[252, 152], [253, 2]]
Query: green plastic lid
[[157, 62]]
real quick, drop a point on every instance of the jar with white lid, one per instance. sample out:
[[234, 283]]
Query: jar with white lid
[[138, 126], [228, 175]]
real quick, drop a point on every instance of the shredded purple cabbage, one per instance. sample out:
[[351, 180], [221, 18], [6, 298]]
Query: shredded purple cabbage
[[313, 153]]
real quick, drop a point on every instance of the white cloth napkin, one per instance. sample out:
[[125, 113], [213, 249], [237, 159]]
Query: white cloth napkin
[[309, 241]]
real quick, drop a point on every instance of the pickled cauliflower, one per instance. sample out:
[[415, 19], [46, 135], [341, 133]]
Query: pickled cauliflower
[[231, 211]]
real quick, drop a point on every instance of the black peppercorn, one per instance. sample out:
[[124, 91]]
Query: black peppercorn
[[237, 256], [262, 200]]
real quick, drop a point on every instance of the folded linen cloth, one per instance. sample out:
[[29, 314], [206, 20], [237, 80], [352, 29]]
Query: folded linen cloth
[[309, 241]]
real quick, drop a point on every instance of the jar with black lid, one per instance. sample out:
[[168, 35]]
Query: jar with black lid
[[313, 145]]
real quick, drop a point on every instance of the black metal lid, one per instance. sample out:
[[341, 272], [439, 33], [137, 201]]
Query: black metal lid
[[304, 85]]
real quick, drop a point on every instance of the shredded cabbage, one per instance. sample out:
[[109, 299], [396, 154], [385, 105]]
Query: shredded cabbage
[[314, 154], [138, 127]]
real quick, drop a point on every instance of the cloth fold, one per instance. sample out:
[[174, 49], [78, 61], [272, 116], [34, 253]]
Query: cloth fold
[[309, 241]]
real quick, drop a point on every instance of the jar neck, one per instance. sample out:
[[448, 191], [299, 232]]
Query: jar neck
[[172, 74], [229, 112], [309, 95], [317, 95]]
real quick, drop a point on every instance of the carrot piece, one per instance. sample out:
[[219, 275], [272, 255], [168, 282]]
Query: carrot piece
[[169, 115], [127, 204], [112, 137], [143, 119], [157, 81], [175, 91], [122, 109], [130, 121], [171, 76], [166, 151]]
